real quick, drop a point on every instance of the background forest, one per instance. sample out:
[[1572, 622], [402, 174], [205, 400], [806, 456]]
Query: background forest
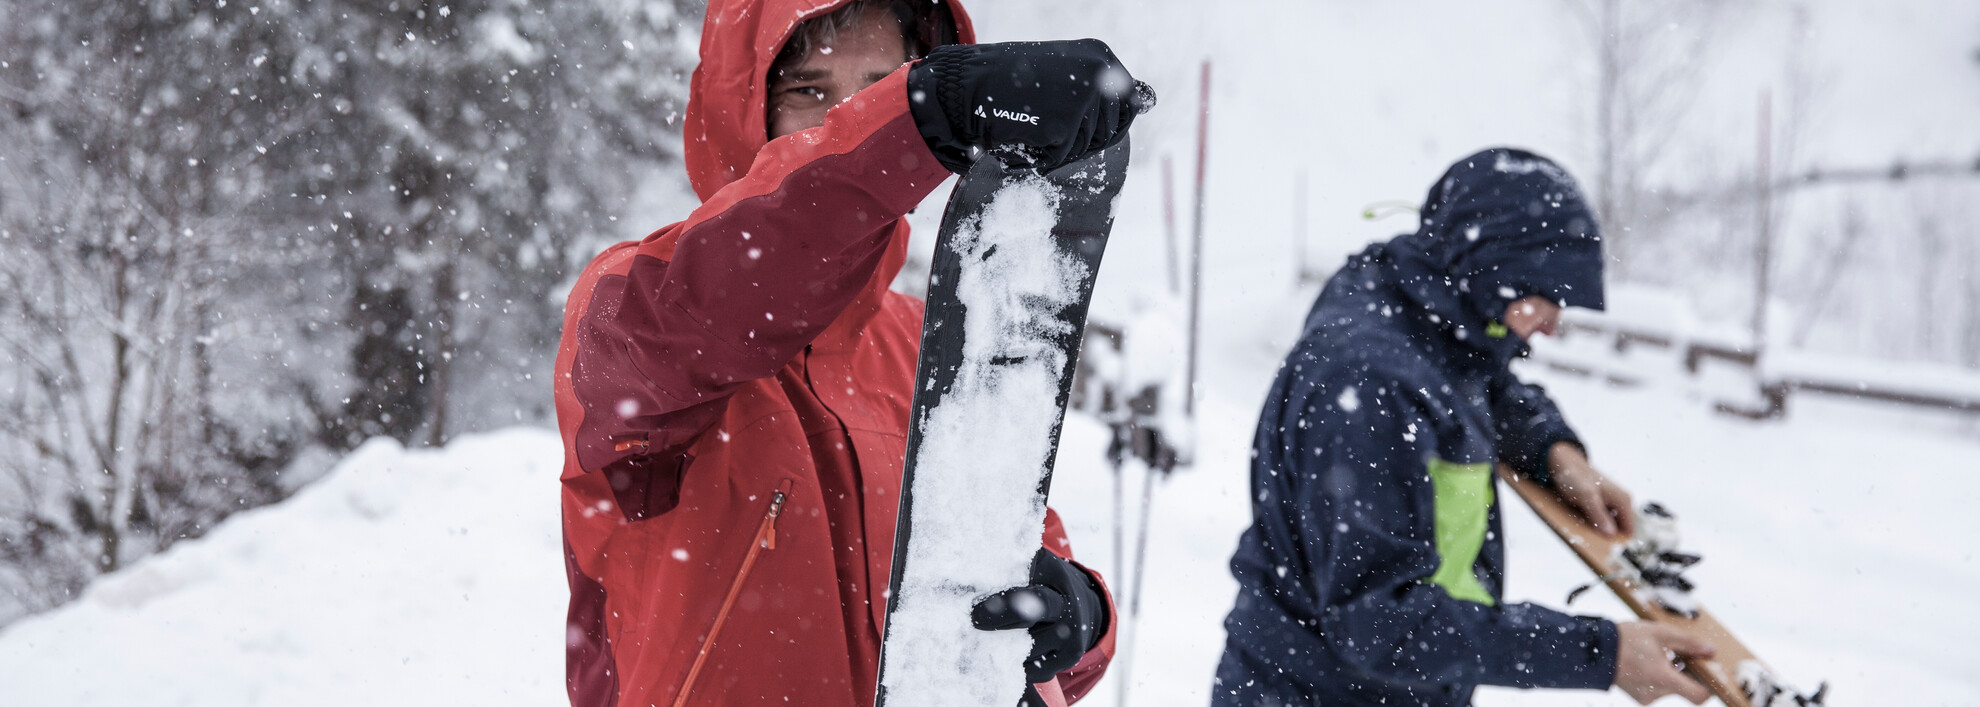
[[239, 238]]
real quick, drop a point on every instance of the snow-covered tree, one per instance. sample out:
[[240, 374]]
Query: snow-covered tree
[[475, 144], [1646, 57], [230, 231]]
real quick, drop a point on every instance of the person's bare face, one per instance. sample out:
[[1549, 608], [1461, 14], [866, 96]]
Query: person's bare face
[[860, 55], [1533, 314]]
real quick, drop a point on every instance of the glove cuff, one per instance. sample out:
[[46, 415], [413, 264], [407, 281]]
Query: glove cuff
[[1100, 604], [936, 100]]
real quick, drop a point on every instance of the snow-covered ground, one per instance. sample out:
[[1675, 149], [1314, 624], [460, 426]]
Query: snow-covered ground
[[402, 578], [1835, 544]]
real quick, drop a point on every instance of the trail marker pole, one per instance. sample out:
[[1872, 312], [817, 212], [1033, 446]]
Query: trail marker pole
[[1196, 246], [1764, 246], [1169, 225]]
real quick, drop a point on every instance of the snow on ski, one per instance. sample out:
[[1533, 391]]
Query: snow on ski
[[1008, 292]]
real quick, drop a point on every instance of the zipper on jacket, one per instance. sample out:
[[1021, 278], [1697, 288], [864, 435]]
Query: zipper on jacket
[[766, 539]]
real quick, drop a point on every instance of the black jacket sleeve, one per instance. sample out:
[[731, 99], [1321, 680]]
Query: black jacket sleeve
[[1528, 424], [1365, 512]]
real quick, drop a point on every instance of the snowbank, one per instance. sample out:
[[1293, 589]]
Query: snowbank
[[435, 578], [403, 577]]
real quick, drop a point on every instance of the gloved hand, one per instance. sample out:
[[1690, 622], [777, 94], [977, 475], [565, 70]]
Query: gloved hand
[[1043, 104], [1062, 608]]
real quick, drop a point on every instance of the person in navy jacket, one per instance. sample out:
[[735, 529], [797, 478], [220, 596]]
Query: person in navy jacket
[[1373, 570]]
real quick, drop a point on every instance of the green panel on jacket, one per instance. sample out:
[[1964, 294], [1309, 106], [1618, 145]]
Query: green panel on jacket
[[1464, 499]]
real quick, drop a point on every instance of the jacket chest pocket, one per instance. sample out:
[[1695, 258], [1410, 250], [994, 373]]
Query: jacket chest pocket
[[765, 540]]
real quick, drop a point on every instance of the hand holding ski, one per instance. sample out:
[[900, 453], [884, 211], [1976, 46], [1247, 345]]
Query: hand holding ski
[[1643, 666], [1643, 572], [1041, 105], [1604, 504], [1063, 610]]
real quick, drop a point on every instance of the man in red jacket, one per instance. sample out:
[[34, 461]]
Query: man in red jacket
[[733, 389]]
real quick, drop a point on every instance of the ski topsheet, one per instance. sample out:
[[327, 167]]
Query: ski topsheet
[[1008, 292]]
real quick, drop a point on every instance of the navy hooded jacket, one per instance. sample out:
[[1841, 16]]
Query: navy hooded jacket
[[1372, 572]]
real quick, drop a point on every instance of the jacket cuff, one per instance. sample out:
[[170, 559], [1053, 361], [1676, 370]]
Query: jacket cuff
[[1598, 671], [1079, 679], [1531, 461], [1580, 655]]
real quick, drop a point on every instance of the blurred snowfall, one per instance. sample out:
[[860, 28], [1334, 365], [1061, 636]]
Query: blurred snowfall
[[1835, 539]]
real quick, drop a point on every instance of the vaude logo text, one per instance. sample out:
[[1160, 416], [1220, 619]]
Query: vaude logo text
[[1008, 115]]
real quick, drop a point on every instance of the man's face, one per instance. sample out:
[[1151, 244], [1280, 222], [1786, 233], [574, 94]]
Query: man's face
[[1533, 314], [833, 71]]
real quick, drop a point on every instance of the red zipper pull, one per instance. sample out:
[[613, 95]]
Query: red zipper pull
[[767, 537]]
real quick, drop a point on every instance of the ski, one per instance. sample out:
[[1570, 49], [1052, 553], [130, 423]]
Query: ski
[[1008, 292], [1644, 572]]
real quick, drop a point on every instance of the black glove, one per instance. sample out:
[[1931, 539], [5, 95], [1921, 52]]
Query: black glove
[[1062, 607], [1043, 104]]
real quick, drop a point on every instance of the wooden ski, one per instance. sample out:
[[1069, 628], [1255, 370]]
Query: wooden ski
[[1720, 673]]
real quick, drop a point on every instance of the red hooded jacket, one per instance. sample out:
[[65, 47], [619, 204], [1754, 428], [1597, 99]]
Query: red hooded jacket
[[733, 396]]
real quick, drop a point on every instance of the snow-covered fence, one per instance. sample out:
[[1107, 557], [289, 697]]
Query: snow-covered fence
[[1916, 384], [1652, 338]]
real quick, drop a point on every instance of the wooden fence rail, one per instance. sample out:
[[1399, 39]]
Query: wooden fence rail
[[1774, 387]]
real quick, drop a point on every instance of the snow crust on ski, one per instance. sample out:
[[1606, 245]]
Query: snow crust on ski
[[1009, 287], [1721, 673]]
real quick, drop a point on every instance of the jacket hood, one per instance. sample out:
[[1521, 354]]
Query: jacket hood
[[725, 125], [1500, 225]]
